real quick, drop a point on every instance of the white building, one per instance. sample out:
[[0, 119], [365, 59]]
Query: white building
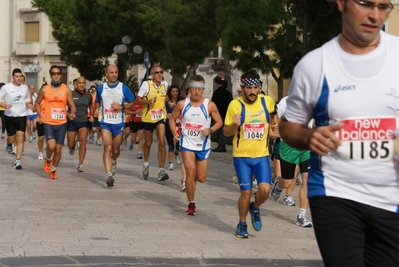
[[27, 43]]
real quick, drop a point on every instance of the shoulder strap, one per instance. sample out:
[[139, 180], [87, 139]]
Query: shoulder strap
[[265, 108]]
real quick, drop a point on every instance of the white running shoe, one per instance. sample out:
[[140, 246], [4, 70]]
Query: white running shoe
[[40, 157], [178, 159], [170, 167]]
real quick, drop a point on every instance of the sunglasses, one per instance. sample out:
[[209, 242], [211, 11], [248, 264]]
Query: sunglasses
[[158, 72], [55, 73]]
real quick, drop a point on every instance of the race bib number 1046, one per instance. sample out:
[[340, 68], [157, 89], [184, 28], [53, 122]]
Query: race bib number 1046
[[367, 139]]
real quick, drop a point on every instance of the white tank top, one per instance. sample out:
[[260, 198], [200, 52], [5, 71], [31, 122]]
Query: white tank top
[[194, 120], [108, 96]]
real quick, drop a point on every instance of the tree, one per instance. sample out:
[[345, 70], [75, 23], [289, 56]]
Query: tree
[[175, 32], [259, 34], [265, 35]]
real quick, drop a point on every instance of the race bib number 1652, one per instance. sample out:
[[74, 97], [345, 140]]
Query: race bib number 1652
[[367, 139]]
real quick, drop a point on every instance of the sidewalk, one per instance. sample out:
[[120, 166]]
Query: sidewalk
[[56, 222]]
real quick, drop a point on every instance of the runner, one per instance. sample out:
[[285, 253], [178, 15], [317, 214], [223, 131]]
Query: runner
[[54, 99], [15, 99], [111, 97], [79, 126]]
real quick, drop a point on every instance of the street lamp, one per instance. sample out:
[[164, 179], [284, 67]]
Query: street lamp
[[36, 68], [122, 52]]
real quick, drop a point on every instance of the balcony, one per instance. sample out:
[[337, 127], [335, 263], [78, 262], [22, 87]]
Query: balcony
[[51, 49], [27, 49]]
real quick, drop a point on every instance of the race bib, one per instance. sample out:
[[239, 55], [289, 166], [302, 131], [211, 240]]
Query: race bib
[[111, 114], [253, 131], [58, 113], [192, 129], [367, 139], [157, 114]]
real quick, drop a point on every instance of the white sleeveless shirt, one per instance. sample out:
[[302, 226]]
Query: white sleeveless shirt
[[194, 120], [108, 96]]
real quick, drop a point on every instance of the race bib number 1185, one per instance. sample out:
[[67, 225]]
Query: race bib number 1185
[[367, 139]]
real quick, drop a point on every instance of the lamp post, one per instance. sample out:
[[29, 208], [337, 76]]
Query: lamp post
[[121, 51], [36, 68]]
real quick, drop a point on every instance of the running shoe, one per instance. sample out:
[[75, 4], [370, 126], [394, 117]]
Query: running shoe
[[47, 165], [53, 174], [241, 231], [14, 150], [256, 220], [131, 146], [98, 142], [162, 176], [288, 200], [17, 165], [77, 145], [255, 185], [178, 159], [2, 136], [81, 168], [183, 184], [302, 220], [40, 157], [145, 172], [191, 209], [113, 169], [9, 149], [72, 150], [140, 155], [235, 179], [275, 193], [299, 179], [110, 180], [30, 139], [170, 167], [34, 135]]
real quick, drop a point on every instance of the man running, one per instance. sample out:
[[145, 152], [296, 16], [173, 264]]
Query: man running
[[248, 119], [152, 96], [54, 99], [111, 97], [16, 101], [79, 126], [195, 139]]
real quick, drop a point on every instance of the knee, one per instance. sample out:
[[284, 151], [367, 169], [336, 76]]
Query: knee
[[246, 194], [263, 189], [201, 178]]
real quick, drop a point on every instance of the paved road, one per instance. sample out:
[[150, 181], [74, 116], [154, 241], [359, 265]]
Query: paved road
[[77, 221]]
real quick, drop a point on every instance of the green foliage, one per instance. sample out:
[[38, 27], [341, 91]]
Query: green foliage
[[175, 33]]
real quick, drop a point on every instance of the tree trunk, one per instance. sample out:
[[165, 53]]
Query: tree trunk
[[191, 71], [280, 88], [227, 71]]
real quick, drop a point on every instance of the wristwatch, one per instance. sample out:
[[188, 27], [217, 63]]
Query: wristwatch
[[123, 106], [210, 130]]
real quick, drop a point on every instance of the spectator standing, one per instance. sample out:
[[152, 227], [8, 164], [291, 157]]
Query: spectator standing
[[222, 98]]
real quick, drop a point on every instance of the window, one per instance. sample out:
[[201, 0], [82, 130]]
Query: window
[[32, 31]]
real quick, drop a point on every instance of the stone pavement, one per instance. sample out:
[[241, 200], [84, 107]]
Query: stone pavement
[[77, 221]]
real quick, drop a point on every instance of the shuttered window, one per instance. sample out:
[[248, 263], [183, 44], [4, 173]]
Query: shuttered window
[[32, 31]]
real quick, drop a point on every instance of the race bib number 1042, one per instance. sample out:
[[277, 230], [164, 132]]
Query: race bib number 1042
[[367, 139]]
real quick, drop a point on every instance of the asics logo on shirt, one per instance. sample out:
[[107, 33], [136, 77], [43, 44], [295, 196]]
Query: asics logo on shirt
[[345, 88]]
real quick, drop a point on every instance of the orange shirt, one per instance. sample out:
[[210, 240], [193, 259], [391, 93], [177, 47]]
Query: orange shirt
[[54, 105]]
